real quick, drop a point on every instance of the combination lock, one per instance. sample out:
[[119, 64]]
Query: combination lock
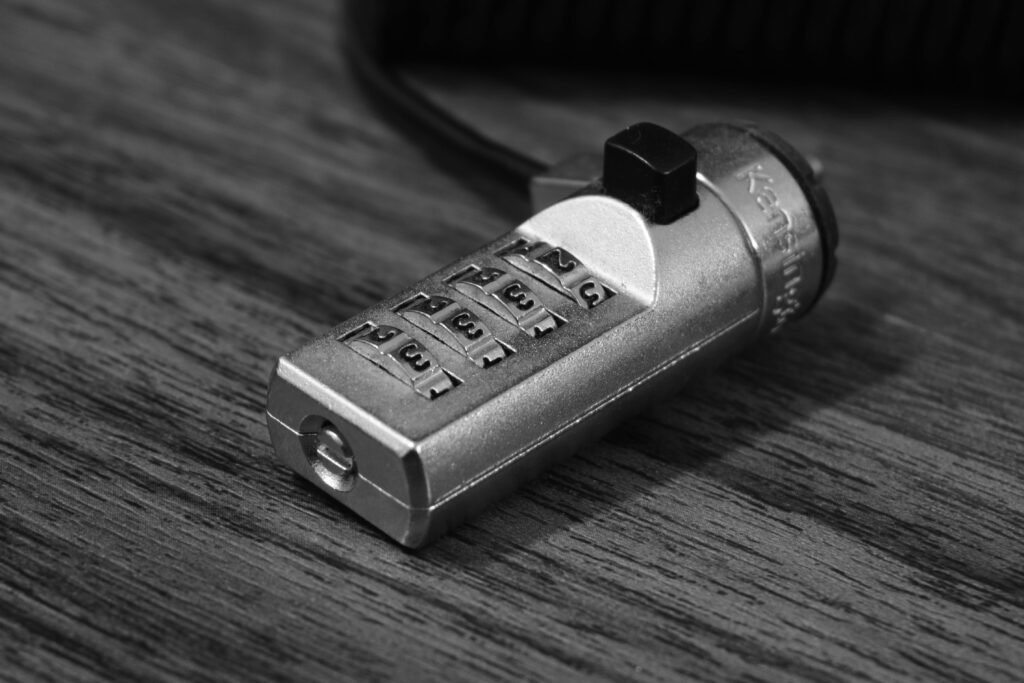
[[429, 406]]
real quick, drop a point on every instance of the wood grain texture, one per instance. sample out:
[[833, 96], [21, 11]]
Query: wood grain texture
[[189, 189]]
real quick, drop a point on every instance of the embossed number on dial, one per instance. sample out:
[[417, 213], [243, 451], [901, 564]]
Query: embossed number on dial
[[401, 356], [456, 326], [559, 269], [508, 297]]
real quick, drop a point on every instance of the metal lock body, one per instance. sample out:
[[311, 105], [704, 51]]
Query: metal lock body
[[426, 408]]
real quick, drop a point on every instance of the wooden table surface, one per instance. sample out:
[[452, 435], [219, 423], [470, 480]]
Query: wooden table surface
[[189, 189]]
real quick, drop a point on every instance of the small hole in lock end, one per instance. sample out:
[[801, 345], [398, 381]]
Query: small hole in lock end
[[331, 458]]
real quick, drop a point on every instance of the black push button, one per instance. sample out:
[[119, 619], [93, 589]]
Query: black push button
[[653, 170]]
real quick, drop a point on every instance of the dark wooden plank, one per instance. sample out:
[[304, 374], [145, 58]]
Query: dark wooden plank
[[189, 189]]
